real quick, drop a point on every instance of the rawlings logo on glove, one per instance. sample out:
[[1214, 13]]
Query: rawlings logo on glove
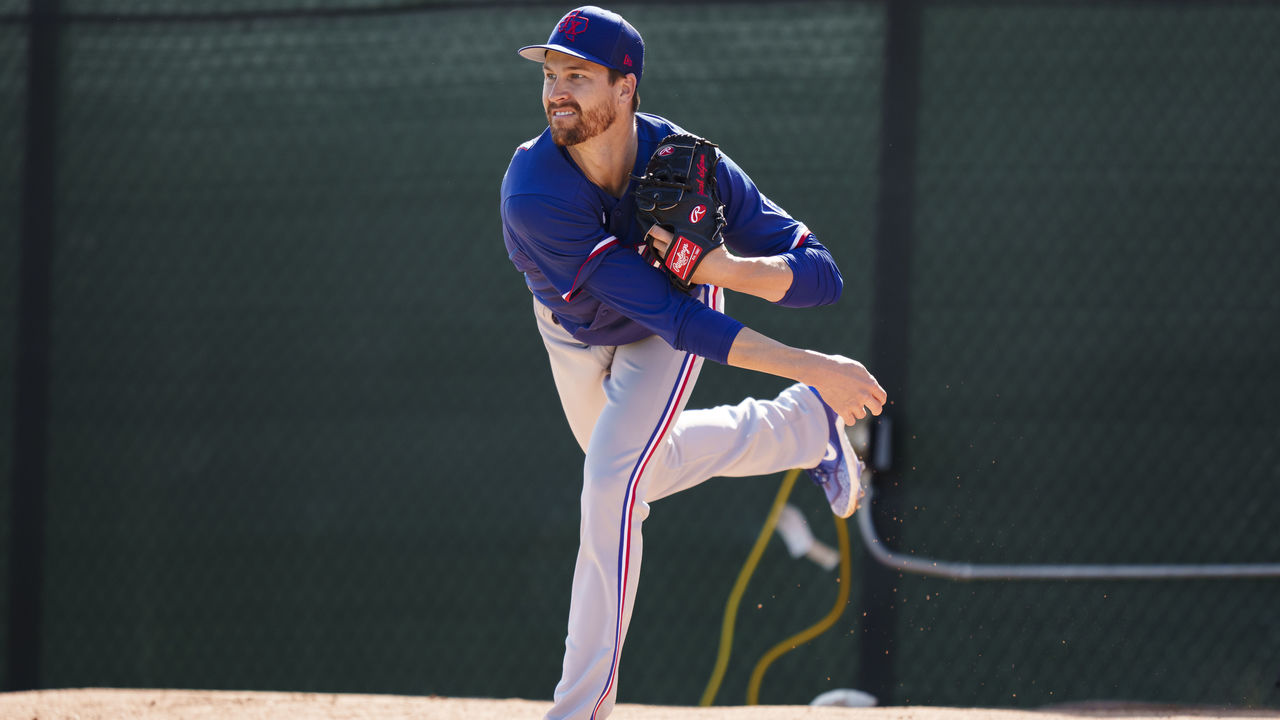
[[678, 192], [682, 256]]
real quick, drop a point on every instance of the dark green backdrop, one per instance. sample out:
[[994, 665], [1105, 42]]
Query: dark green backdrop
[[302, 434]]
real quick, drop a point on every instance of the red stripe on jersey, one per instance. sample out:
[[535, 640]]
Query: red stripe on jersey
[[600, 247]]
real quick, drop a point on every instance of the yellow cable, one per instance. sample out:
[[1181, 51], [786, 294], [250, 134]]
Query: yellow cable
[[740, 587], [791, 643]]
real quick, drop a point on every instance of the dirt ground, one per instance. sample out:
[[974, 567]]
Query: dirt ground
[[115, 704]]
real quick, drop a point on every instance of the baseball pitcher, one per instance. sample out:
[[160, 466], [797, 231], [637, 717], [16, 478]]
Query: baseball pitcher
[[629, 230]]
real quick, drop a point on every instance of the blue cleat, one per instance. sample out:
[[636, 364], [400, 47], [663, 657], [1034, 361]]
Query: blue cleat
[[840, 472]]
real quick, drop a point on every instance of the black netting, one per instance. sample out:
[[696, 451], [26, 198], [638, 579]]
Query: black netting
[[204, 10], [1093, 349], [271, 432]]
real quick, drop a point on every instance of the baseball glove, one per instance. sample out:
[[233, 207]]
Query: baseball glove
[[678, 192]]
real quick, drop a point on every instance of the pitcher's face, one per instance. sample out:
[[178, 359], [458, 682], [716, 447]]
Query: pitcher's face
[[578, 98]]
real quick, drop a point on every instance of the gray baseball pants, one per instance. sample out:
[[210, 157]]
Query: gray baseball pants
[[626, 407]]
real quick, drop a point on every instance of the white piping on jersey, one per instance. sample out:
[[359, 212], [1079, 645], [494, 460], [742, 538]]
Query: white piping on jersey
[[600, 247], [802, 234]]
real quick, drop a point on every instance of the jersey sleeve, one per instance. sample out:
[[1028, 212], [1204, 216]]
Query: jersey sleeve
[[815, 278], [625, 282], [755, 226], [565, 241]]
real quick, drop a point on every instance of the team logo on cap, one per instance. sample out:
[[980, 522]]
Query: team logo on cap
[[572, 24]]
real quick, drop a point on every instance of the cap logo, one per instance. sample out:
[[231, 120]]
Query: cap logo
[[572, 24], [626, 60], [666, 150]]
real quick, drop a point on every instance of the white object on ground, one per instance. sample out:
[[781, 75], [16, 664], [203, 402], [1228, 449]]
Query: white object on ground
[[844, 697]]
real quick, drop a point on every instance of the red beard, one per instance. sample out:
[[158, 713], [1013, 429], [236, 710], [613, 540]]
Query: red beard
[[585, 126]]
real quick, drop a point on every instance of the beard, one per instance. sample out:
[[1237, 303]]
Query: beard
[[586, 126]]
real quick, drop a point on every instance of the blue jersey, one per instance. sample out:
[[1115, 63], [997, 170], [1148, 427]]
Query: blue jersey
[[577, 246]]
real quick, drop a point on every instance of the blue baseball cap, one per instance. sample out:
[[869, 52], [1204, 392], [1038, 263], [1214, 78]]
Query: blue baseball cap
[[594, 34]]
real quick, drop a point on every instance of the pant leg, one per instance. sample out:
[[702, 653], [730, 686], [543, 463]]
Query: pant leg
[[646, 390], [641, 394], [626, 406], [754, 437]]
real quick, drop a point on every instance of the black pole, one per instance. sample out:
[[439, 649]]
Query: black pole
[[31, 397], [890, 332]]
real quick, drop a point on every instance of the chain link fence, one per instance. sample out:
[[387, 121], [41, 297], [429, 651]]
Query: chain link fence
[[302, 435]]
